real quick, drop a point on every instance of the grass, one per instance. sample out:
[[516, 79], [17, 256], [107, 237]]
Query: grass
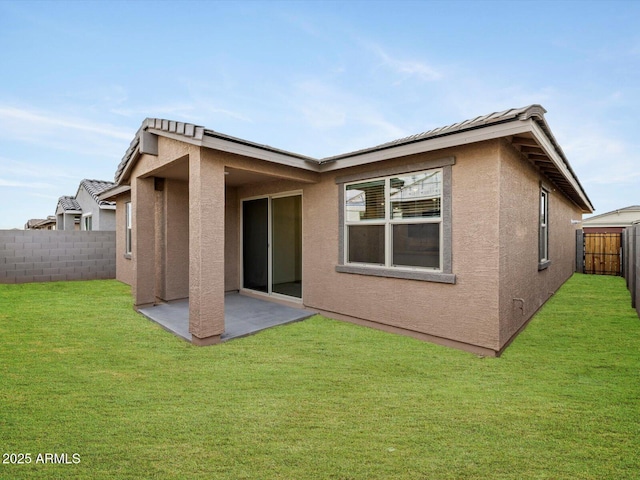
[[80, 372]]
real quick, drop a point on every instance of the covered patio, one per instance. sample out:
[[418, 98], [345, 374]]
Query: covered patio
[[243, 316]]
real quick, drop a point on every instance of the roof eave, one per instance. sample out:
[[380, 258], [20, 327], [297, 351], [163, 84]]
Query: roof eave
[[549, 145], [114, 192], [464, 137]]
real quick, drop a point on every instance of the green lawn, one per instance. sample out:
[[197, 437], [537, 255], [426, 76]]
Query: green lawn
[[81, 373]]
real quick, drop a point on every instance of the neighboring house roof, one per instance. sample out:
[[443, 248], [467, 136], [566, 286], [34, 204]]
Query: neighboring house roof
[[95, 188], [526, 127], [69, 204], [31, 223], [38, 223], [623, 217]]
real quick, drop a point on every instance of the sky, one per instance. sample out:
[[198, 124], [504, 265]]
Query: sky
[[318, 78]]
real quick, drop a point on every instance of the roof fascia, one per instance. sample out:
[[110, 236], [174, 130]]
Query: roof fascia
[[614, 212], [114, 192], [129, 166], [430, 144], [259, 153], [245, 150], [551, 152]]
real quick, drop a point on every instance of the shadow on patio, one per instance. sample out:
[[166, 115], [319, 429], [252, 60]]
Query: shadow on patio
[[242, 316]]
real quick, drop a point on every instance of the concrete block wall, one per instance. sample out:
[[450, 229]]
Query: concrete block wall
[[54, 255]]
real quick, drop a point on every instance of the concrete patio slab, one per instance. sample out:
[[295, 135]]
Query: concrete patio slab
[[243, 316]]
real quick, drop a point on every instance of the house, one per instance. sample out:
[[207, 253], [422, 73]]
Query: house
[[86, 211], [457, 235], [48, 223], [612, 222], [68, 212]]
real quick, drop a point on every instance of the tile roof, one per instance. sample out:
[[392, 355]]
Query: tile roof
[[631, 208], [69, 203], [33, 222], [96, 187], [478, 122], [561, 173]]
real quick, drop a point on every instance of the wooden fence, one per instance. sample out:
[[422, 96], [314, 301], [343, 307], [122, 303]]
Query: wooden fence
[[602, 253]]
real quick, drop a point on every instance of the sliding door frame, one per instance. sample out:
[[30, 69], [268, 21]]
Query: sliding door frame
[[270, 293]]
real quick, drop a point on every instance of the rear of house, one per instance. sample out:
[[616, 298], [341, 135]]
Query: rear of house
[[455, 236]]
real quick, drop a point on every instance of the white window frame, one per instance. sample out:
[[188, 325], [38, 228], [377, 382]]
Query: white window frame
[[87, 218], [128, 237], [543, 229], [388, 222]]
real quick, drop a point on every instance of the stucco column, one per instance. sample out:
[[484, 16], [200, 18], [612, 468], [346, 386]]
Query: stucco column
[[206, 248], [144, 241]]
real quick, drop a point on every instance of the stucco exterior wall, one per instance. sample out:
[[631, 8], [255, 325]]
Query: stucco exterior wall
[[124, 263], [524, 288], [466, 312], [174, 236], [231, 240]]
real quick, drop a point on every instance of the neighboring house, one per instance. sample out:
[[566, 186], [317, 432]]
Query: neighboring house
[[68, 213], [612, 222], [48, 223], [96, 214], [457, 235], [86, 211]]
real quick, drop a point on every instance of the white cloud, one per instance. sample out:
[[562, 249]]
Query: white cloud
[[406, 67], [33, 120], [32, 169], [48, 132], [19, 184]]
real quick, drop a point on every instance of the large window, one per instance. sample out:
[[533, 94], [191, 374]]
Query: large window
[[395, 221], [127, 242], [543, 250]]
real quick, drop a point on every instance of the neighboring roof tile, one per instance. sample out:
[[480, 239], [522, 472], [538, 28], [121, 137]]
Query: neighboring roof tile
[[69, 203], [631, 208], [33, 222], [96, 187]]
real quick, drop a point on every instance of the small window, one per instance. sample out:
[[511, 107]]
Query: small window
[[87, 223], [543, 253], [127, 247]]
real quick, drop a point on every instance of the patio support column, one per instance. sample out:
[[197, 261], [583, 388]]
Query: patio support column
[[144, 241], [206, 248]]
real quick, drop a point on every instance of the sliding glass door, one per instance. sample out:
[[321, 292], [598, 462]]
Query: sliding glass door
[[272, 245], [255, 245]]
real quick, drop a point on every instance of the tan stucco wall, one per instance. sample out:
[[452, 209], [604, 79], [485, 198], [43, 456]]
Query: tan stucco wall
[[524, 289], [124, 265], [231, 240], [466, 312], [175, 233]]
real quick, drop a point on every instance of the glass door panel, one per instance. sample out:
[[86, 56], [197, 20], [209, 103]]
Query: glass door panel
[[286, 228], [255, 244]]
